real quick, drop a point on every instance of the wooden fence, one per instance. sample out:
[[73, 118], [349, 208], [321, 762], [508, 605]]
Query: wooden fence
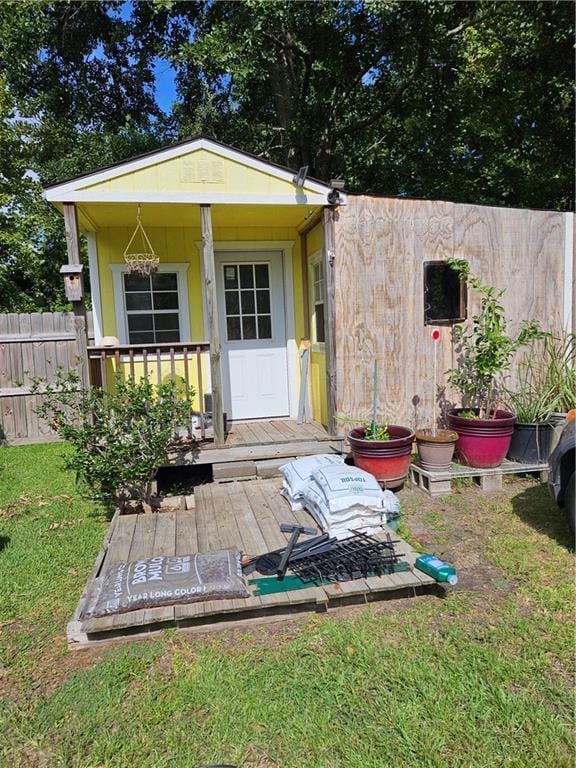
[[32, 345], [381, 245]]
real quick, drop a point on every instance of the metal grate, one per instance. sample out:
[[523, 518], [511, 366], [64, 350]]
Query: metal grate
[[357, 557]]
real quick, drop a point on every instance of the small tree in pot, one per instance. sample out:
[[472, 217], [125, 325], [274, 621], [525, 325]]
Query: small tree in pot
[[382, 450], [486, 351]]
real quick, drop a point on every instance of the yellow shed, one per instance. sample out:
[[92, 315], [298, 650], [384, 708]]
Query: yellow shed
[[240, 276]]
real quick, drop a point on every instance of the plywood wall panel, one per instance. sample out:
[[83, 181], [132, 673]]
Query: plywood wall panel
[[381, 247]]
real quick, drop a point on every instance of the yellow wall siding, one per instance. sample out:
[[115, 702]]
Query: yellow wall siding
[[318, 386], [179, 244], [166, 373], [181, 174], [314, 243]]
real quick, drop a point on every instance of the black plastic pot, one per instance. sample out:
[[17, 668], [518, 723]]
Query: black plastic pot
[[530, 443]]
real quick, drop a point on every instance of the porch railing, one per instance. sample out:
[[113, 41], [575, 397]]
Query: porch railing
[[159, 362]]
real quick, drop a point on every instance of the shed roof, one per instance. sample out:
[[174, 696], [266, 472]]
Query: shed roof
[[197, 170]]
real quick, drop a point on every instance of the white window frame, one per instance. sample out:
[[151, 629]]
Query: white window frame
[[181, 269], [315, 260]]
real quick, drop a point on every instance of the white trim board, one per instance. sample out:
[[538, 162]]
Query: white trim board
[[181, 268], [62, 192], [95, 287], [568, 270], [298, 197]]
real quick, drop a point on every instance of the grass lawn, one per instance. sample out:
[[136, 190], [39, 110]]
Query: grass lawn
[[481, 678]]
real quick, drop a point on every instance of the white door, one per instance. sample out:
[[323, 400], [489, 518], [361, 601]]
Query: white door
[[251, 309]]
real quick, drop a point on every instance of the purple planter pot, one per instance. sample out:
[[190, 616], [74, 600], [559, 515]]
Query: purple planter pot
[[482, 443]]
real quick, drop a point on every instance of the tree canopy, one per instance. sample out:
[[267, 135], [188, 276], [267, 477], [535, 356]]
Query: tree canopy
[[463, 101]]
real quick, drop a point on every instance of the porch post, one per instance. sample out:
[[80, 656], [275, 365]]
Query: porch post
[[330, 316], [212, 312], [78, 307]]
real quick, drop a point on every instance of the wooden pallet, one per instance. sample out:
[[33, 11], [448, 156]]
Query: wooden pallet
[[490, 480], [237, 514]]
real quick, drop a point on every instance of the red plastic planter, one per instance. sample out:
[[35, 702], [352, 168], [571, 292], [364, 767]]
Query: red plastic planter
[[482, 443], [387, 460]]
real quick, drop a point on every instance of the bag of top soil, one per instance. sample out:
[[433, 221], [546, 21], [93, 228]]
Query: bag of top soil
[[345, 486], [298, 473], [165, 580], [341, 523]]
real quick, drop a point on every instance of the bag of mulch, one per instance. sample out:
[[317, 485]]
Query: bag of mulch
[[345, 486], [170, 580], [299, 472]]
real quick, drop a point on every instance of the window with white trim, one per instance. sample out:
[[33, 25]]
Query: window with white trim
[[317, 291], [152, 306]]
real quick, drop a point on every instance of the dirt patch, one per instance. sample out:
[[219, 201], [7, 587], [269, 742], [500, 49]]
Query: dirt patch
[[457, 529]]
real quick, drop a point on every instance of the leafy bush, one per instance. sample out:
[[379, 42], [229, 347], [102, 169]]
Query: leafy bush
[[119, 438], [486, 347]]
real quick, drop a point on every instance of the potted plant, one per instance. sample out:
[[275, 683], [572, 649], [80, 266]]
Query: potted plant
[[484, 429], [435, 446], [559, 372], [382, 450], [533, 401]]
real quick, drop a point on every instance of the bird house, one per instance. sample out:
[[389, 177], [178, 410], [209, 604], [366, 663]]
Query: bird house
[[73, 281]]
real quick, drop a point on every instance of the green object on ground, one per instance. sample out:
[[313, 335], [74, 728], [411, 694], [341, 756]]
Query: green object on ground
[[269, 585], [437, 568]]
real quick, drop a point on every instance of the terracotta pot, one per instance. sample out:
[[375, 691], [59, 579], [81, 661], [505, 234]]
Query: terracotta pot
[[482, 443], [387, 460], [436, 450]]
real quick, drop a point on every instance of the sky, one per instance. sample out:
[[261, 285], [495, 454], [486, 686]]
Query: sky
[[165, 88]]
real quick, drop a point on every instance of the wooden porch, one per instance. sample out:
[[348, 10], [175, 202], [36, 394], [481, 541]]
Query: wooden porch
[[245, 515]]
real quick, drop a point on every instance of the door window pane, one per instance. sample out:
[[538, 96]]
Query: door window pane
[[249, 327], [263, 301], [233, 328], [262, 276], [264, 327], [248, 307], [232, 303], [246, 276], [230, 276]]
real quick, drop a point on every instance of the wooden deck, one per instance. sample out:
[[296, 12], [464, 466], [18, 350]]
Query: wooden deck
[[259, 440], [238, 514]]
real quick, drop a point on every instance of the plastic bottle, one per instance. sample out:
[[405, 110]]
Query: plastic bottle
[[437, 568]]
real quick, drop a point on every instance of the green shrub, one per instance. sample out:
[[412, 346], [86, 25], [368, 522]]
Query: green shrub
[[119, 438]]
